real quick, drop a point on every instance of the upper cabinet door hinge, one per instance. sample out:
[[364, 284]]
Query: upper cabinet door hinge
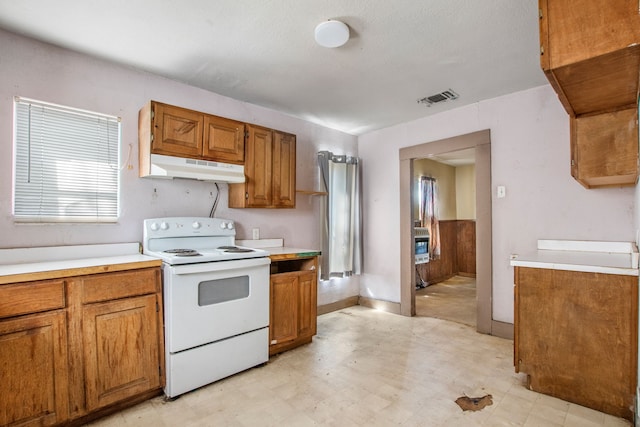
[[157, 307]]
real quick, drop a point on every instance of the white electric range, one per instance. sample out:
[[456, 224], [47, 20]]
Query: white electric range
[[216, 300]]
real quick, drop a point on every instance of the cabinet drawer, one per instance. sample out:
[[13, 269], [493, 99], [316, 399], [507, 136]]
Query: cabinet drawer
[[31, 297], [109, 286]]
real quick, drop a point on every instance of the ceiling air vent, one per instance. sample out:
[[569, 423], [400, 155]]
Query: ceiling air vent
[[438, 98]]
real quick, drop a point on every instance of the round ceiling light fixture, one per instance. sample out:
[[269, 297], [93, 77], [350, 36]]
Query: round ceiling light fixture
[[332, 33]]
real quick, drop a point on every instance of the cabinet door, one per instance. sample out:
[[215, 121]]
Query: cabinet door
[[307, 304], [574, 30], [604, 148], [223, 140], [121, 351], [258, 167], [176, 131], [34, 370], [284, 170], [576, 336], [283, 324]]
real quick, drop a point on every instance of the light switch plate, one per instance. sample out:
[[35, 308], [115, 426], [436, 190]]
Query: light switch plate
[[502, 191]]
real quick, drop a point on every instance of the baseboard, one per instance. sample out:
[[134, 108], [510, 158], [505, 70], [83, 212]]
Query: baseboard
[[472, 275], [502, 329], [338, 305], [388, 306]]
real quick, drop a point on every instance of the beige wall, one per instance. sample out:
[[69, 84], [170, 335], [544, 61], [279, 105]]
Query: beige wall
[[456, 188], [466, 192], [445, 176]]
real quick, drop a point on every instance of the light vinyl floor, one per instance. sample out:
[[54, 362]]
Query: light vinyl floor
[[370, 368]]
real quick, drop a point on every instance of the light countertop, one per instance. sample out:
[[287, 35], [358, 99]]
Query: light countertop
[[587, 256], [276, 247], [27, 264]]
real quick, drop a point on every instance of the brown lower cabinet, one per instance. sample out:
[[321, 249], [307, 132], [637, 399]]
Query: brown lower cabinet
[[34, 371], [576, 336], [88, 344], [293, 302]]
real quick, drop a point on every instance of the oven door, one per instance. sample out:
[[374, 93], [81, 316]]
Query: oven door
[[211, 301]]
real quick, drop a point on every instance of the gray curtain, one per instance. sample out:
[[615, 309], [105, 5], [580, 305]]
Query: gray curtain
[[341, 215]]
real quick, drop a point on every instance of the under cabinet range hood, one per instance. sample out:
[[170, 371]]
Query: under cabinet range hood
[[162, 166]]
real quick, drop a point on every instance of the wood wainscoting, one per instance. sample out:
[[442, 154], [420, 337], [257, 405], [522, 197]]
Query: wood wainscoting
[[457, 252]]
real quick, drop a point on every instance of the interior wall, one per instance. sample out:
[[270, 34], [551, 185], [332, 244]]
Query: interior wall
[[466, 192], [445, 176], [529, 156], [36, 70]]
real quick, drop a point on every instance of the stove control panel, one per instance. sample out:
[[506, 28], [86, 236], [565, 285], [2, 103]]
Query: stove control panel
[[188, 226]]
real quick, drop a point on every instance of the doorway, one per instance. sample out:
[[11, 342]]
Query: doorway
[[481, 142], [446, 285]]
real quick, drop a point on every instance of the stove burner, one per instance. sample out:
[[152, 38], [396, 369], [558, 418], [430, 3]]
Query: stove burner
[[234, 249], [183, 252]]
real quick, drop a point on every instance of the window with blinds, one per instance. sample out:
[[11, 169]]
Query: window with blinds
[[66, 164]]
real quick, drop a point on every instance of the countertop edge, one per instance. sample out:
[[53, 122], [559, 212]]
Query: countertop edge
[[284, 252], [575, 267], [69, 268]]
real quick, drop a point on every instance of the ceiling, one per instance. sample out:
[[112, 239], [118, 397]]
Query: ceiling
[[263, 51]]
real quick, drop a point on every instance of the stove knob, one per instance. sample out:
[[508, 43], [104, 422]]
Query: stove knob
[[154, 226], [223, 225], [164, 226], [230, 226], [196, 225]]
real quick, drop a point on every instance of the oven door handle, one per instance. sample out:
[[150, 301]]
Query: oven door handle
[[205, 267]]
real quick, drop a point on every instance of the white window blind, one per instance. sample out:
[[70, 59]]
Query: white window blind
[[66, 164]]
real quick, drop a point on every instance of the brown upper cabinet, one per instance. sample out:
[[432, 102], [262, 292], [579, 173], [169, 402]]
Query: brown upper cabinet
[[270, 171], [176, 131], [590, 54]]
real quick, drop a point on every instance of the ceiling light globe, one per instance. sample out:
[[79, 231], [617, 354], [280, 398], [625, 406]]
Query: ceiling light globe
[[332, 33]]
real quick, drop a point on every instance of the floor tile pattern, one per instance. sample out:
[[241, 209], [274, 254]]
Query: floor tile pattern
[[370, 368]]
